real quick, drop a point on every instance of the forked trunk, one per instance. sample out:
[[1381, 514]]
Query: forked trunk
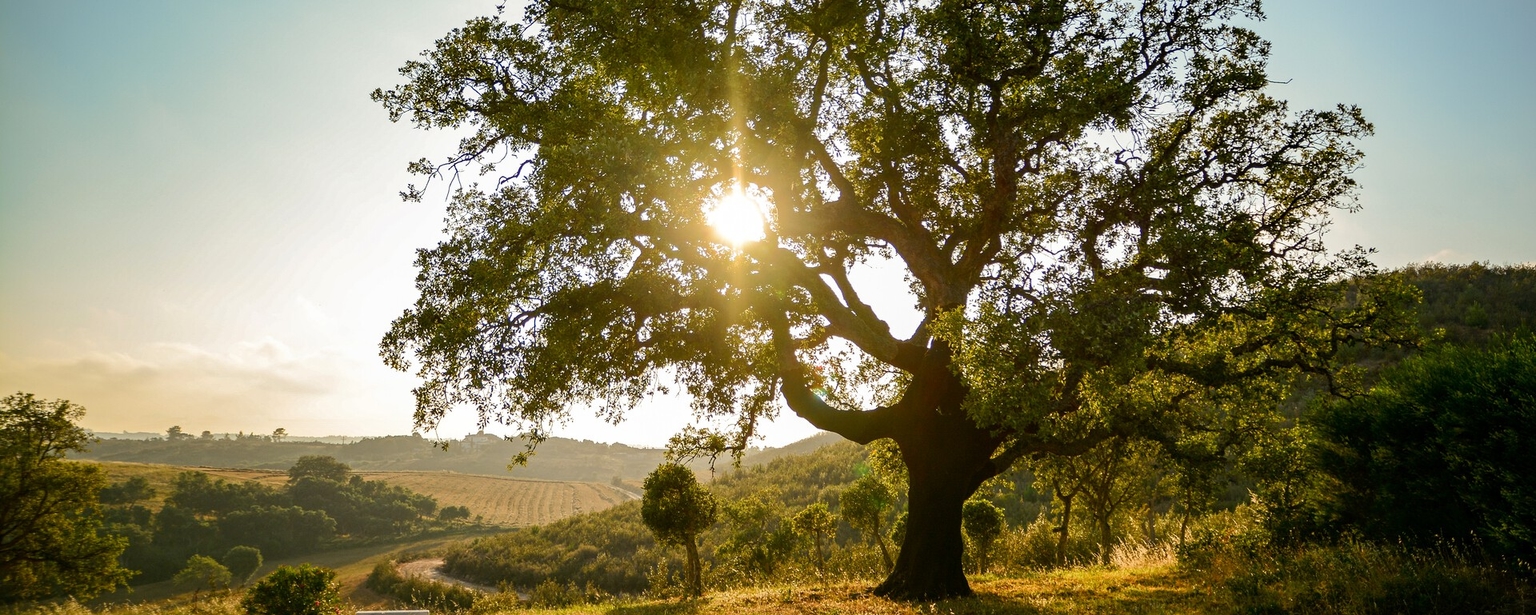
[[947, 458]]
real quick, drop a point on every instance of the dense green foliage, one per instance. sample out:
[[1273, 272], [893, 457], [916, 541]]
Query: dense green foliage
[[1444, 447], [1471, 302], [290, 590], [324, 467], [207, 516], [203, 572], [242, 562], [1111, 228], [865, 505], [51, 541]]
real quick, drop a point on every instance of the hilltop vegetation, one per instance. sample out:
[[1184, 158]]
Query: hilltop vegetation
[[560, 459]]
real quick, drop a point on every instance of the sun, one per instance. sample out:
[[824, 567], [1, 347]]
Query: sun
[[737, 217]]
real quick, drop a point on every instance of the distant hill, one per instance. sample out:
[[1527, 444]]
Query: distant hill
[[559, 459], [511, 502], [1468, 303]]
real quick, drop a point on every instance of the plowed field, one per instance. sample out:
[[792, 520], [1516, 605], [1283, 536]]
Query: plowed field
[[496, 500]]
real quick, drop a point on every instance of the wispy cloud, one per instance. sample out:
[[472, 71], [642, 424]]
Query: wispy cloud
[[253, 386]]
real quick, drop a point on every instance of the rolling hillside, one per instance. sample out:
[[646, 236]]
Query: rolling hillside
[[511, 502]]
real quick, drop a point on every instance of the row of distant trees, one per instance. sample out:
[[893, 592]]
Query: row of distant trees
[[175, 433]]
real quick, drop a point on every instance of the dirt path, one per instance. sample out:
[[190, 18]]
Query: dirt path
[[432, 569]]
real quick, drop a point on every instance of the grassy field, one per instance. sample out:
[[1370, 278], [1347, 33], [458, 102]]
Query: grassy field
[[1151, 589], [507, 502], [351, 566]]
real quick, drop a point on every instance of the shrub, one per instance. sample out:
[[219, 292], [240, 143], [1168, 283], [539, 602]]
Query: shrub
[[242, 562], [289, 590], [419, 593], [552, 595], [1441, 447], [1356, 577], [203, 572]]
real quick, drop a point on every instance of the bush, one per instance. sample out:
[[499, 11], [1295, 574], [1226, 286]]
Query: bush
[[419, 593], [301, 590], [1441, 447], [203, 572], [1356, 577], [242, 562]]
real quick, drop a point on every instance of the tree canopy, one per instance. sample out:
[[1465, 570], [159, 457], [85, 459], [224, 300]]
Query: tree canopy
[[1108, 225], [49, 513], [676, 509]]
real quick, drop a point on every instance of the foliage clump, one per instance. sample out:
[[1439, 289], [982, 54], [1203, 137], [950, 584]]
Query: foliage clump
[[51, 538], [295, 590], [1443, 448], [419, 593]]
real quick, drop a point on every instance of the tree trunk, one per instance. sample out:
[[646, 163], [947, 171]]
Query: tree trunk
[[1105, 536], [695, 576], [885, 553], [1066, 529], [947, 458], [821, 558]]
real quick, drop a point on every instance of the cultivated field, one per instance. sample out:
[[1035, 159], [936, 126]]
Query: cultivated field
[[496, 500]]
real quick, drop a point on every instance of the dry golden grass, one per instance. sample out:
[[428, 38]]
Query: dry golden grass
[[497, 500], [1151, 590]]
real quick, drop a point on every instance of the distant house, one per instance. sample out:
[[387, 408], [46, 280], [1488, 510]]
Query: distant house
[[476, 441]]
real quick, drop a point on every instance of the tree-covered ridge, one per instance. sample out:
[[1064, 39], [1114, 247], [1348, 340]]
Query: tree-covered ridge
[[1470, 302]]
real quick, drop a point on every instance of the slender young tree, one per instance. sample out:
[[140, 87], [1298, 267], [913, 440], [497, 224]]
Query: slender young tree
[[678, 509], [864, 504], [1108, 226], [820, 525]]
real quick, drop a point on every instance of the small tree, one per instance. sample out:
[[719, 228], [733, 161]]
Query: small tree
[[864, 503], [203, 572], [817, 523], [1064, 477], [278, 434], [301, 590], [677, 509], [243, 561], [131, 491], [453, 513], [983, 523], [319, 466], [175, 434]]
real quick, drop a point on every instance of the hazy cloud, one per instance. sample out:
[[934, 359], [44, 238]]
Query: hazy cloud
[[253, 386]]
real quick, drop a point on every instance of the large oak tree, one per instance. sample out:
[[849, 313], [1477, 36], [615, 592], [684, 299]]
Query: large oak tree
[[1108, 225]]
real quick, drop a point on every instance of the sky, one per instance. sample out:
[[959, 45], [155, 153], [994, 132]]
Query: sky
[[199, 220]]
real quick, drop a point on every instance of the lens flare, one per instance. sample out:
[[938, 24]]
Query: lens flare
[[738, 218]]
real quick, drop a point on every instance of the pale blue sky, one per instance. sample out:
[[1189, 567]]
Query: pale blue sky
[[199, 222]]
